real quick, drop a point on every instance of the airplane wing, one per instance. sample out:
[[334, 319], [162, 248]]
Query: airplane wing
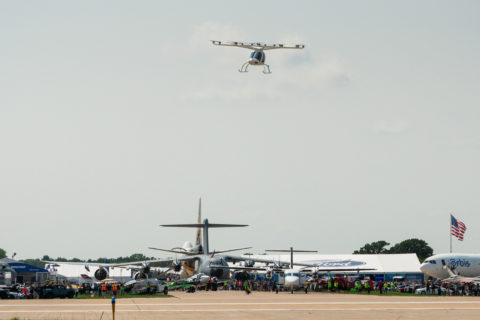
[[327, 270], [301, 264], [111, 265], [230, 250], [240, 268]]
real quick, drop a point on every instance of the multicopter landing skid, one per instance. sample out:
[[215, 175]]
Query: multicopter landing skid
[[257, 57]]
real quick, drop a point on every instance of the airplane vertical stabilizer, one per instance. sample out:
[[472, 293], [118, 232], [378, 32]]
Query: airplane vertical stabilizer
[[198, 241]]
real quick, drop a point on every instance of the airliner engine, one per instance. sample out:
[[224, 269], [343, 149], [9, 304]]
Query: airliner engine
[[101, 274], [139, 275], [177, 266], [143, 272]]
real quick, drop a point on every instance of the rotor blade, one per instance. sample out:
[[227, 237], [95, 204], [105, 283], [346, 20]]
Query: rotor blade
[[282, 46], [234, 44]]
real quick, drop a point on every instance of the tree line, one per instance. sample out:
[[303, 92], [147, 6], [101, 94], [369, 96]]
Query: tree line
[[40, 262], [418, 246]]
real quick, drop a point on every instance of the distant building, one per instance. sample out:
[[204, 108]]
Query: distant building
[[20, 272]]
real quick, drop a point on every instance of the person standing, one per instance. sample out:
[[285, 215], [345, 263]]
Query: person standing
[[114, 289], [247, 287]]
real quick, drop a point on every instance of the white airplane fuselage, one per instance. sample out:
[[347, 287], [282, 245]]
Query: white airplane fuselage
[[464, 264], [294, 279]]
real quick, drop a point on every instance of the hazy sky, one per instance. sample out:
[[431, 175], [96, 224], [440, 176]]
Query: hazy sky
[[116, 116]]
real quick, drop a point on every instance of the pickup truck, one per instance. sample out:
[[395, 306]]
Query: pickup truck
[[55, 291]]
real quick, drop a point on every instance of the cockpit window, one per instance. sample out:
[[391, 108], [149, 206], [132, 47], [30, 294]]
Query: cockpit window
[[433, 262]]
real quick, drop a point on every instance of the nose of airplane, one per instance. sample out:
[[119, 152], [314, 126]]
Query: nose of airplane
[[292, 281], [425, 268]]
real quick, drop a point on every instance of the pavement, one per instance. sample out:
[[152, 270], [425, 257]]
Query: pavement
[[257, 305]]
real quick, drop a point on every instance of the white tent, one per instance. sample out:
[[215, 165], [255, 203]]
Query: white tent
[[382, 263]]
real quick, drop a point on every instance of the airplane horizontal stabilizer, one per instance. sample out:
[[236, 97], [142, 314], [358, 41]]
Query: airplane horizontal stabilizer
[[201, 225], [175, 251]]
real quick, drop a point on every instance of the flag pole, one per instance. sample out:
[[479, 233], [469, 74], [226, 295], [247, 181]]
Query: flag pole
[[450, 231]]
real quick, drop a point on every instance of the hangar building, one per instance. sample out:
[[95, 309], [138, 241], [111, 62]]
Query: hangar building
[[22, 272]]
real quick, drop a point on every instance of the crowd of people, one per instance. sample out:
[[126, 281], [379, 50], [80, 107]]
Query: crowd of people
[[331, 284]]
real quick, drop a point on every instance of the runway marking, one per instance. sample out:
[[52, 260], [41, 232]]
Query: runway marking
[[246, 310], [241, 303]]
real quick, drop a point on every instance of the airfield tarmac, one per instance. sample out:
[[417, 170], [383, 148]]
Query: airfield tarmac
[[258, 305]]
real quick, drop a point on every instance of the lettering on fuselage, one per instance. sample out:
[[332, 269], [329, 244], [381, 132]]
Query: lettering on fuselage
[[455, 263], [337, 263]]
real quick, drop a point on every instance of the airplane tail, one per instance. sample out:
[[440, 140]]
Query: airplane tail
[[205, 225], [198, 241]]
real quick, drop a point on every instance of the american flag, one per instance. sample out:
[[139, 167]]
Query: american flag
[[457, 228]]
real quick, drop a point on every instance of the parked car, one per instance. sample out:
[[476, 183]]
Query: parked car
[[10, 293], [4, 293], [435, 291]]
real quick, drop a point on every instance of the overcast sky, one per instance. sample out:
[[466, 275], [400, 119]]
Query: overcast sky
[[116, 116]]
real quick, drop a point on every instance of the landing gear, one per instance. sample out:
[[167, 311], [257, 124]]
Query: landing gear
[[291, 291], [266, 69], [244, 67]]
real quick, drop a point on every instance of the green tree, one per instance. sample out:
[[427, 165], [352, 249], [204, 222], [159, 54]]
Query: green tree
[[3, 253], [418, 246], [35, 262], [373, 248]]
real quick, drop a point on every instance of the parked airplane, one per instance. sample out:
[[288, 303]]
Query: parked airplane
[[141, 269], [297, 278], [461, 264], [454, 277], [192, 283], [213, 264]]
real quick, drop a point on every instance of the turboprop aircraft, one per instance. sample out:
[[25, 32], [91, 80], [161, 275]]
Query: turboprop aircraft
[[452, 266], [193, 282], [297, 278]]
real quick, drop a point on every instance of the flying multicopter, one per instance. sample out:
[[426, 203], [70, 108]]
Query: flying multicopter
[[257, 57]]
